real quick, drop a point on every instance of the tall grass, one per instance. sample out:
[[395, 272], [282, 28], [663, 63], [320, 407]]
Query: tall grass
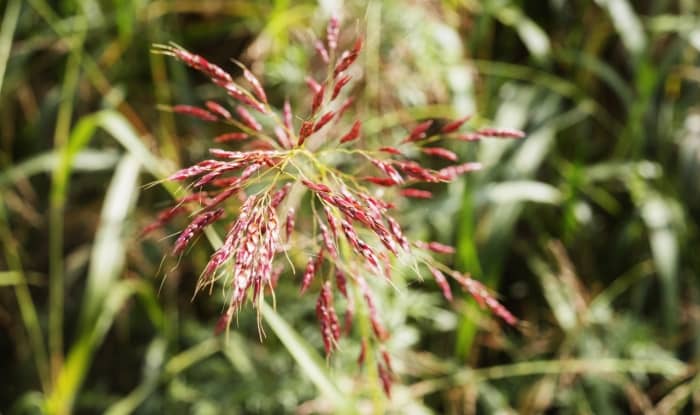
[[587, 229]]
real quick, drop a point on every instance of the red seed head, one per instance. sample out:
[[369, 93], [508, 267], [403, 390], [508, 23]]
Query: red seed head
[[442, 282], [339, 84], [419, 132], [323, 120], [454, 125], [500, 133], [224, 138], [416, 193], [195, 228], [318, 99], [440, 152], [196, 112], [217, 108], [353, 134], [307, 127], [321, 50], [332, 32], [258, 90], [248, 119]]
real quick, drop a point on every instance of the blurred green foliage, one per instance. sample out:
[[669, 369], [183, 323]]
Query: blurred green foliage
[[587, 228]]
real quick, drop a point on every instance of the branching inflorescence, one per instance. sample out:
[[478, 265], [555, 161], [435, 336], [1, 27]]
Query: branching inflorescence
[[352, 235]]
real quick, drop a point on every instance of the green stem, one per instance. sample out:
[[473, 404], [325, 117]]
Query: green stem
[[59, 193]]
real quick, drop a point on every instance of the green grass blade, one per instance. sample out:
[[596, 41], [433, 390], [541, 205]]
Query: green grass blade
[[535, 39], [7, 30], [627, 24], [109, 248], [305, 357], [27, 308], [86, 160], [58, 197], [103, 295], [73, 372]]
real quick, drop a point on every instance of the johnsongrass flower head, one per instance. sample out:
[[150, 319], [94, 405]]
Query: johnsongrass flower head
[[351, 231]]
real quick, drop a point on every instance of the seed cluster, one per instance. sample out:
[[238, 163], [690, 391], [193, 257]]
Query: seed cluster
[[355, 235]]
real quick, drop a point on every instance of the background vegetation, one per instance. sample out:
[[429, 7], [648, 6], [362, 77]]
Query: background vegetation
[[588, 228]]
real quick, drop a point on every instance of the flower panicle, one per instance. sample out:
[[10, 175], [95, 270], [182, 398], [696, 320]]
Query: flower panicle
[[273, 162]]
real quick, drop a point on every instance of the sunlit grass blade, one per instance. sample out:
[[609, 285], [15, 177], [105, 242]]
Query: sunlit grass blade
[[109, 247], [87, 160], [63, 142], [7, 30], [80, 356], [309, 361], [27, 308], [627, 24]]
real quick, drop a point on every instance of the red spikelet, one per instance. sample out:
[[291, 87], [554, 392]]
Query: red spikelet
[[500, 133], [307, 127], [321, 50], [451, 172], [484, 298], [353, 133], [289, 223], [217, 108], [397, 233], [332, 33], [339, 84], [388, 169], [199, 168], [167, 215], [311, 268], [385, 377], [255, 83], [328, 319], [363, 352], [442, 282], [440, 152], [197, 62], [195, 228], [348, 57], [316, 187], [224, 321], [419, 132], [235, 92], [391, 150], [279, 195], [312, 84], [248, 119], [436, 247], [224, 138], [381, 181], [377, 327], [282, 137], [323, 120], [318, 99], [416, 193], [196, 112], [468, 137], [332, 223], [328, 242], [287, 116], [454, 125]]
